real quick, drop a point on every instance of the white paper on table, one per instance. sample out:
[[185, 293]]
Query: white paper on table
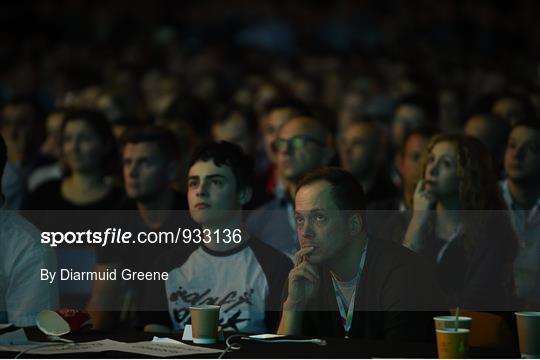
[[145, 348], [165, 340], [167, 349], [66, 348]]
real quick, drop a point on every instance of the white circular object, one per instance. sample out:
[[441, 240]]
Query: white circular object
[[50, 323]]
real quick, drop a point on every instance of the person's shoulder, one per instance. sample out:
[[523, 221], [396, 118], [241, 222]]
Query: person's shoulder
[[391, 253], [18, 231], [260, 247]]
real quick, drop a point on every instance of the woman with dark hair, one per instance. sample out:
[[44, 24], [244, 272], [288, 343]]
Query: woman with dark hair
[[88, 156], [459, 223]]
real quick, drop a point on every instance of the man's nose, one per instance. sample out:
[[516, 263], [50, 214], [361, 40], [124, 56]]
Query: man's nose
[[133, 170], [519, 153], [202, 189], [306, 230], [433, 168]]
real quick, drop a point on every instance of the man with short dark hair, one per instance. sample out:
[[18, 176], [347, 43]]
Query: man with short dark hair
[[521, 192], [229, 267], [150, 165], [22, 293], [345, 283], [389, 218], [236, 125]]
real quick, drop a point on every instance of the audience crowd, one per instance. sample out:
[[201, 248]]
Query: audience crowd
[[377, 145]]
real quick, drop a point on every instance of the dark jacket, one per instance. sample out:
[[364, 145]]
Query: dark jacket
[[396, 299]]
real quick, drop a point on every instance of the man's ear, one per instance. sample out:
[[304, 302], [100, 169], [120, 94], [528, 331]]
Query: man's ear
[[245, 195], [355, 224], [172, 170]]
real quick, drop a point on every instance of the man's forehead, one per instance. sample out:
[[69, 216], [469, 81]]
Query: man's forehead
[[141, 149], [315, 196], [300, 126], [17, 110], [205, 168], [525, 133]]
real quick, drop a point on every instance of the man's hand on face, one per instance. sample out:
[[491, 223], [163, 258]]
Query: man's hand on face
[[304, 281]]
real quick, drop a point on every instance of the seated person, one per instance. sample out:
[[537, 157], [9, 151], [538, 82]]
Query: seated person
[[521, 193], [303, 144], [458, 225], [346, 283], [88, 152], [22, 293], [244, 276], [149, 163]]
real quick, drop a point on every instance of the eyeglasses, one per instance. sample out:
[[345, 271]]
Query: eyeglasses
[[294, 143]]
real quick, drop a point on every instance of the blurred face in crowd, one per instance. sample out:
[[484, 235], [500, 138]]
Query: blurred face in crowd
[[53, 143], [234, 130], [351, 108], [300, 148], [83, 148], [440, 175], [16, 127], [147, 171], [212, 191], [406, 119], [522, 157], [410, 159], [319, 223], [361, 149], [270, 126], [492, 132], [508, 109], [479, 127]]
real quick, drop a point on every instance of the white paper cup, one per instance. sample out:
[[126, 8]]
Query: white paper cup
[[447, 322]]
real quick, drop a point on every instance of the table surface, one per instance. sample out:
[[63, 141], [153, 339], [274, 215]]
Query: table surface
[[335, 348]]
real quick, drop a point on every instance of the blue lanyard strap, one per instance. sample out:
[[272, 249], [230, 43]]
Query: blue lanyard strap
[[346, 316]]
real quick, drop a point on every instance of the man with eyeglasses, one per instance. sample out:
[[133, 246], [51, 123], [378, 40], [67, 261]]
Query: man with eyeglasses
[[303, 144]]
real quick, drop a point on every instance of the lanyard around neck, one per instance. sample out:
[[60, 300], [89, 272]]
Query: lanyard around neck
[[346, 316]]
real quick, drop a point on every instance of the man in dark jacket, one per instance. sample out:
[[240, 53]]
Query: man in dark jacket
[[345, 283]]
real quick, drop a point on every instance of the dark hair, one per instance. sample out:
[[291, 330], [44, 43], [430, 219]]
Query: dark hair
[[3, 159], [527, 107], [347, 192], [297, 107], [425, 131], [95, 119], [101, 126], [231, 155], [159, 135], [246, 113], [428, 106], [191, 111]]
